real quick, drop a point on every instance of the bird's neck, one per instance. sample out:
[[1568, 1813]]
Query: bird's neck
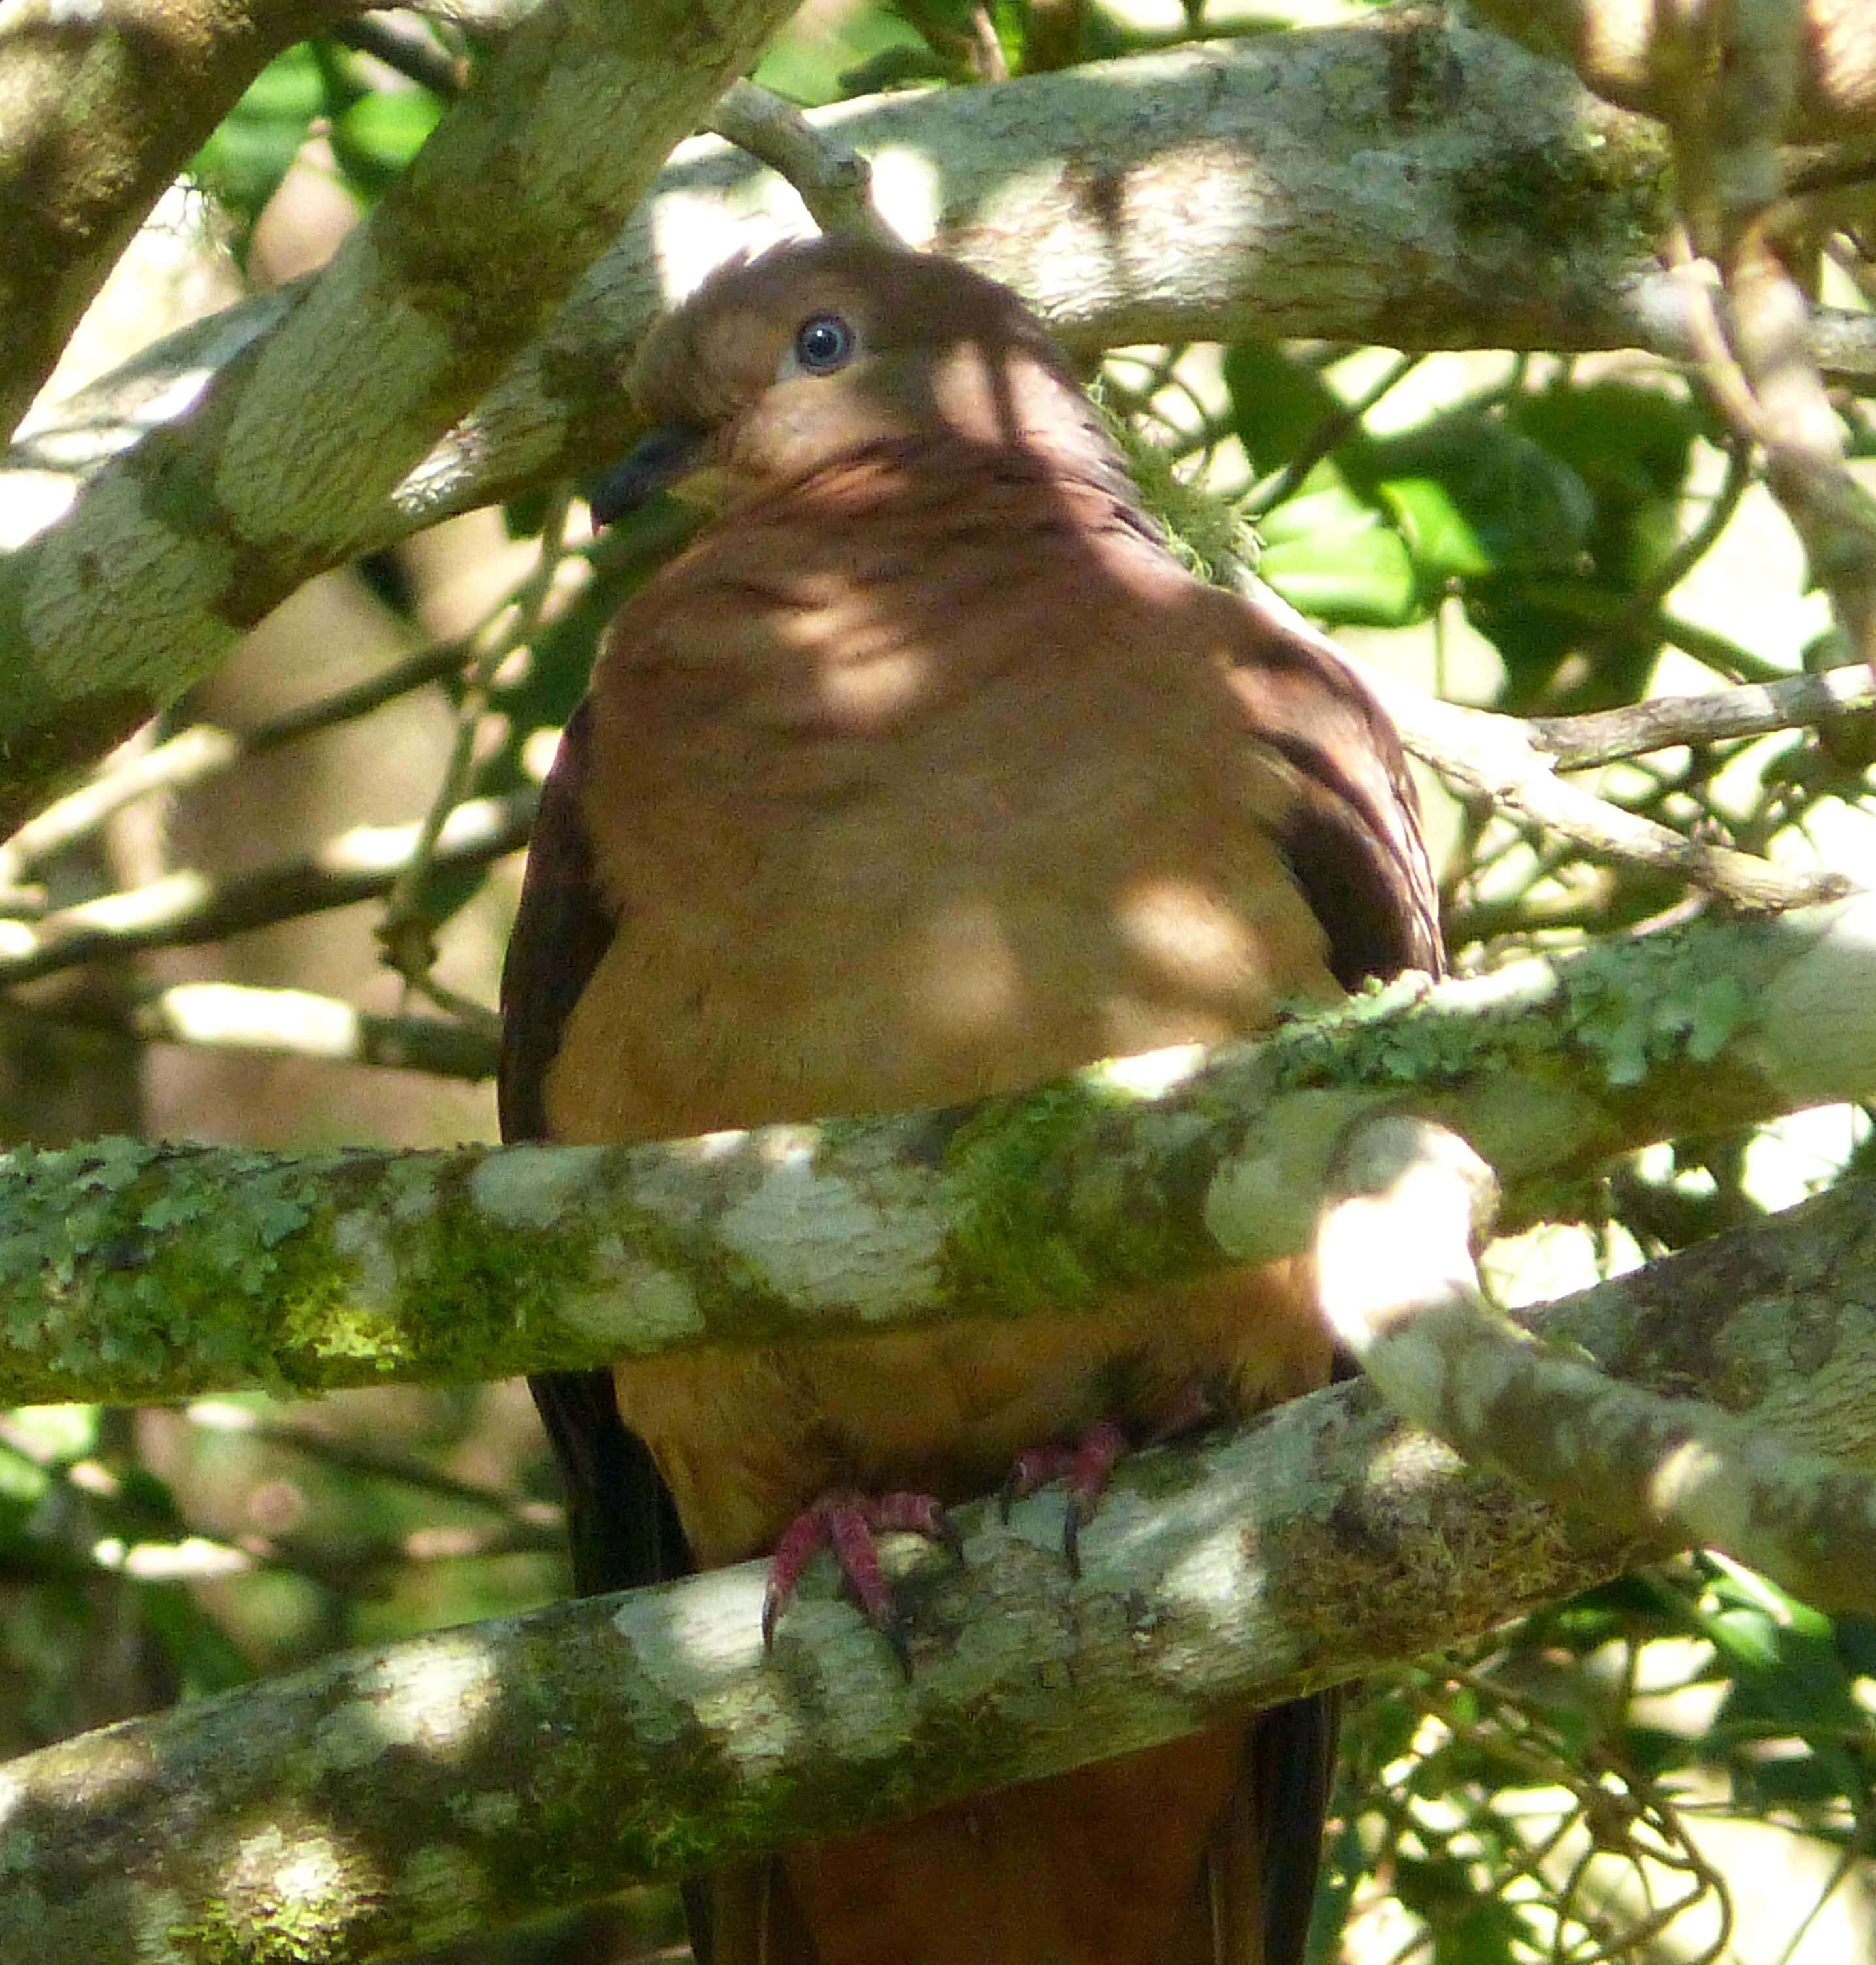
[[953, 489]]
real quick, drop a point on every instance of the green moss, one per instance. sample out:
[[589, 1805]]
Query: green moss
[[1010, 1160], [1595, 181], [1631, 1009], [211, 1940], [1206, 534], [281, 1935], [466, 1281]]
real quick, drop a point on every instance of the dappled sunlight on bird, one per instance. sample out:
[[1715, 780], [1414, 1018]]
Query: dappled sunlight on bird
[[925, 773]]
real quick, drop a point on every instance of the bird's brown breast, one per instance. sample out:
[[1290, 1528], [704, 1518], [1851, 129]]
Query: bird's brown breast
[[885, 847]]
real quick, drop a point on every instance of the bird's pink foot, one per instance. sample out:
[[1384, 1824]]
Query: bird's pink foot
[[846, 1523], [1088, 1465]]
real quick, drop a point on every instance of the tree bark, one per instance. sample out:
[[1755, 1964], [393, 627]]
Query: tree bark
[[134, 1271], [473, 1777], [117, 607]]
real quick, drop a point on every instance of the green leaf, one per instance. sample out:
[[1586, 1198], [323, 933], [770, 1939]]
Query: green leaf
[[1489, 1932], [242, 163], [1444, 543], [1633, 448], [22, 1481], [1507, 505], [206, 1659], [57, 1432], [1277, 403], [381, 132], [1434, 1887], [1362, 577]]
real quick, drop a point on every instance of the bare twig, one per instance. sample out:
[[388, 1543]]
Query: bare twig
[[185, 759], [188, 909], [204, 752], [405, 934], [1728, 76], [403, 43], [287, 1023], [1330, 431], [1490, 757], [1756, 709], [833, 180], [358, 1456], [1761, 376], [1640, 605]]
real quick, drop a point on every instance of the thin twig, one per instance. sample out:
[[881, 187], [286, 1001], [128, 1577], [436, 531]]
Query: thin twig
[[1757, 367], [357, 1456], [405, 934], [1717, 652], [1271, 491], [186, 909], [285, 1023], [834, 182], [204, 752], [1756, 709], [1637, 610], [1492, 757], [406, 46]]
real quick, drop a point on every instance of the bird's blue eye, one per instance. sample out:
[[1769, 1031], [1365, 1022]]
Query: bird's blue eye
[[824, 344]]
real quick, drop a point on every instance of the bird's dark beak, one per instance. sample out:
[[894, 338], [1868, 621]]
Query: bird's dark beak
[[658, 460]]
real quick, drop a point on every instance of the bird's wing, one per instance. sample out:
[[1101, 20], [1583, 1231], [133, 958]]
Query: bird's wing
[[1351, 839], [622, 1522]]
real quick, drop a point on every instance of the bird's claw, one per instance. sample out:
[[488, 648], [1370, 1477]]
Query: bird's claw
[[1088, 1466], [847, 1523]]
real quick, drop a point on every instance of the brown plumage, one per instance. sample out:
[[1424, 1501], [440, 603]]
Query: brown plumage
[[927, 772]]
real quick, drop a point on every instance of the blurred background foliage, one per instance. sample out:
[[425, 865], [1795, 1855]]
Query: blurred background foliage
[[1677, 1767]]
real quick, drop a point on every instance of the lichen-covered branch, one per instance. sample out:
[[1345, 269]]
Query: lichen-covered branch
[[131, 1272], [177, 547], [459, 1782], [1395, 1272]]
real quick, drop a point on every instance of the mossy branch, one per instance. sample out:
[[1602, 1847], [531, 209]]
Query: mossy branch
[[132, 1272], [461, 1781]]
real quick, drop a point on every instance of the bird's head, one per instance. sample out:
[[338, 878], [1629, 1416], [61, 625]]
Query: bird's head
[[779, 365]]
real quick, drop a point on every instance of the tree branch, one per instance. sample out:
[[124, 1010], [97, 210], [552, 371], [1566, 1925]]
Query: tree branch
[[184, 910], [286, 1023], [1484, 755], [1397, 1284], [180, 546], [470, 1778], [1488, 756], [1755, 710], [105, 103], [363, 1268], [1615, 45], [833, 180]]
